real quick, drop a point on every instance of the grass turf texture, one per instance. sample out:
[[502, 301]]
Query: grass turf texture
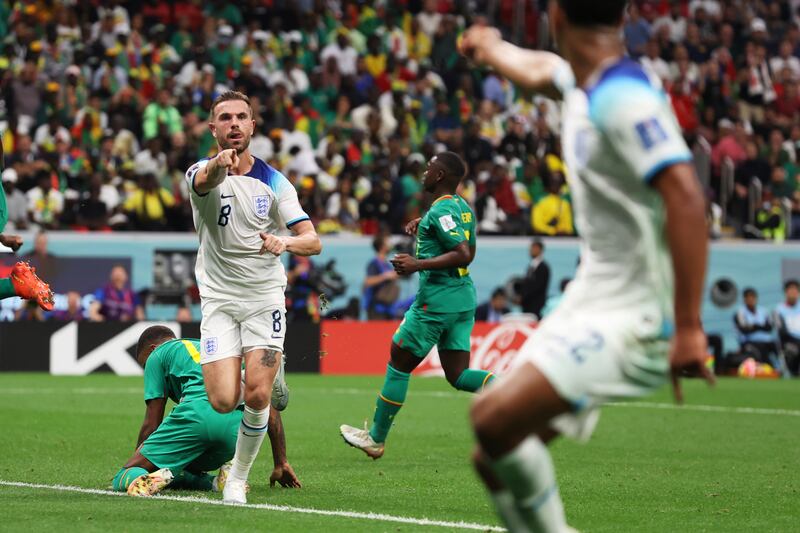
[[644, 469]]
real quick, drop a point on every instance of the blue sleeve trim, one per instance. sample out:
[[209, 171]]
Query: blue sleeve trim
[[653, 172], [198, 193], [297, 220]]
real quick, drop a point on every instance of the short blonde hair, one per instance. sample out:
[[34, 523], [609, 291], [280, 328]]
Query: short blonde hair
[[228, 96]]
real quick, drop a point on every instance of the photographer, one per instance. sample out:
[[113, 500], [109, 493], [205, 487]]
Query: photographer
[[381, 289], [311, 288], [302, 301]]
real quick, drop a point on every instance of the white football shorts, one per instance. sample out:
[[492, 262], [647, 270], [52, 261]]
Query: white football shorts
[[231, 328], [591, 358]]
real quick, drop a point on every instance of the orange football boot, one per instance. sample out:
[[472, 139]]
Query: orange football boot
[[30, 287]]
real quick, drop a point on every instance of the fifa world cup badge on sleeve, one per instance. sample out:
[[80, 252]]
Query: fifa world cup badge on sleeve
[[447, 222], [261, 204], [651, 133], [210, 345]]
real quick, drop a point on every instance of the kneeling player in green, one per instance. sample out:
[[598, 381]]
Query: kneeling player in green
[[444, 310], [193, 439]]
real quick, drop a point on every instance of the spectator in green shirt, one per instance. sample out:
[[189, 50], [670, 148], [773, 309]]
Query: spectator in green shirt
[[225, 57], [220, 9], [181, 40], [161, 112]]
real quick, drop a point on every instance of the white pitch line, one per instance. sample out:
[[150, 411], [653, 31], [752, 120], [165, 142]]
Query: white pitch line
[[429, 394], [378, 517], [640, 405], [709, 408], [80, 390]]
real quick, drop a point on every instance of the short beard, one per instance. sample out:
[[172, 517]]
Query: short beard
[[225, 145]]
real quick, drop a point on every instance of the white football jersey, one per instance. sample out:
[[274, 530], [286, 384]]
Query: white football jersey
[[619, 132], [229, 219]]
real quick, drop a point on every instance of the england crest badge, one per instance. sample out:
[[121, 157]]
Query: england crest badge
[[210, 345], [261, 205]]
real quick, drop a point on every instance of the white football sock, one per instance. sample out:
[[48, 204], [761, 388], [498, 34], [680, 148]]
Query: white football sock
[[251, 435], [507, 509], [527, 471]]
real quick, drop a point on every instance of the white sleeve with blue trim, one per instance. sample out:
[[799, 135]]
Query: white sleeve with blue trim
[[192, 172], [289, 208], [639, 123]]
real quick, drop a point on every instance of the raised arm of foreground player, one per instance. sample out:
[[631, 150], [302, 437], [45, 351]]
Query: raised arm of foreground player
[[534, 70]]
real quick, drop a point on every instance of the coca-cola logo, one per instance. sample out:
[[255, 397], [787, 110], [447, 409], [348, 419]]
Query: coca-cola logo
[[493, 347]]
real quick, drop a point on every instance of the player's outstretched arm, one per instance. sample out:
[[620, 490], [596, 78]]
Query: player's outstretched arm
[[688, 241], [533, 70], [282, 473], [152, 418], [214, 173], [304, 242], [459, 257]]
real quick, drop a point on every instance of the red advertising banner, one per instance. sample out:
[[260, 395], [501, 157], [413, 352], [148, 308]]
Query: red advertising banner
[[363, 347]]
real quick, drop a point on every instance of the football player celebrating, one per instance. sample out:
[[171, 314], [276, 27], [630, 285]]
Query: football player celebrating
[[239, 203]]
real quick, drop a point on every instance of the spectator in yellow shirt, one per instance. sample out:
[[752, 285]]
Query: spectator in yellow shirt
[[376, 59], [149, 205], [552, 215], [419, 44]]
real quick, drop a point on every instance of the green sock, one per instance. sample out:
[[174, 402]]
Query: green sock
[[389, 402], [473, 380], [7, 288], [125, 476], [188, 481]]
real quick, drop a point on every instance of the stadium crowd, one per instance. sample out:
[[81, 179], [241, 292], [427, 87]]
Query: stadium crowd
[[104, 107]]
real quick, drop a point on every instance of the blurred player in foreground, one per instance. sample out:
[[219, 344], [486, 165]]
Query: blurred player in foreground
[[640, 210], [239, 203], [23, 281], [443, 312], [194, 439]]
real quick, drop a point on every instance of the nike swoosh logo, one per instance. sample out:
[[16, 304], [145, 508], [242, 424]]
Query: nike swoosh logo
[[229, 196], [277, 336]]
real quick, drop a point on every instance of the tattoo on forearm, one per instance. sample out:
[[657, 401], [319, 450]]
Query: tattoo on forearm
[[269, 358]]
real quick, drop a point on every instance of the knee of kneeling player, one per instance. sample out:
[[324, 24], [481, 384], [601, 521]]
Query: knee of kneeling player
[[257, 396], [223, 404]]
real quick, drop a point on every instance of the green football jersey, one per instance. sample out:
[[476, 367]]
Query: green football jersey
[[173, 370], [448, 222], [3, 209]]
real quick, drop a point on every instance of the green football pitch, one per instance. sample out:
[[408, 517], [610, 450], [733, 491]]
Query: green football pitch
[[727, 461]]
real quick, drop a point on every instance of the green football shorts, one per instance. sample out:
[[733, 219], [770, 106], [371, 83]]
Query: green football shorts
[[193, 437], [421, 330]]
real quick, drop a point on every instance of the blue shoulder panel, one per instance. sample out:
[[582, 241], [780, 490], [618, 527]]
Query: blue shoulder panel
[[622, 84], [268, 175], [626, 68]]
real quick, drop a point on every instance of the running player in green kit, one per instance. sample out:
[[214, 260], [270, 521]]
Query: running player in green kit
[[194, 439], [444, 310], [23, 281]]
